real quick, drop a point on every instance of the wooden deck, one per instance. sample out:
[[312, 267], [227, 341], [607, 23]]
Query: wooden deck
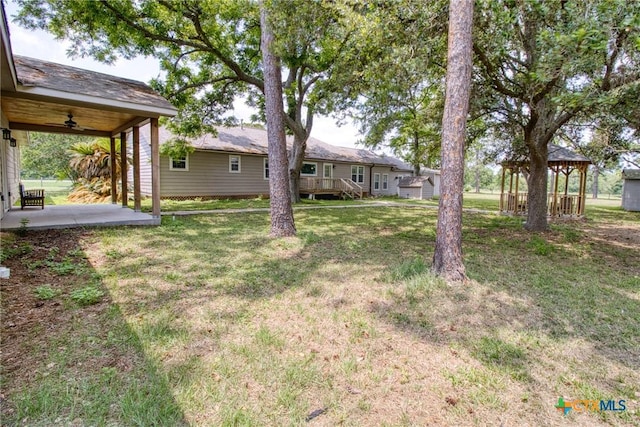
[[340, 187]]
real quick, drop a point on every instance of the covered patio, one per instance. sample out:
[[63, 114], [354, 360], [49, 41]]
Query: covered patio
[[71, 216], [41, 96]]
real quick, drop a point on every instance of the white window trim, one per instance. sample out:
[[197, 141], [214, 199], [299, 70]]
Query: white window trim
[[309, 174], [385, 182], [186, 164], [239, 163], [265, 162], [376, 181], [358, 174]]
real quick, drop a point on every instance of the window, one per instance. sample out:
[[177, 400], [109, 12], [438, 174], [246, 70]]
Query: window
[[234, 164], [385, 181], [179, 163], [376, 181], [309, 169], [357, 174], [266, 169]]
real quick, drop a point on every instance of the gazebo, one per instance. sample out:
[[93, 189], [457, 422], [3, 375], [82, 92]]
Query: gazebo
[[562, 162]]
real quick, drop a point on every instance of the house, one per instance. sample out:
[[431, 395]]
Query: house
[[234, 164], [631, 190]]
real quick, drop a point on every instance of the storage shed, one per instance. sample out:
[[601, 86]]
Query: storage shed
[[417, 187], [631, 190]]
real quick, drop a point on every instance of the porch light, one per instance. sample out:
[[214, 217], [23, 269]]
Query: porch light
[[6, 134], [13, 142]]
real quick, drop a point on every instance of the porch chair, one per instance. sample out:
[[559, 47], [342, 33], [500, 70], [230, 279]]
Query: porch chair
[[31, 197]]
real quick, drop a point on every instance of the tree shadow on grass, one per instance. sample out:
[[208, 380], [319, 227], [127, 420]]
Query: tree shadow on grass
[[68, 355], [534, 301]]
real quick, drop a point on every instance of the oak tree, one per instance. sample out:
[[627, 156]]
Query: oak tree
[[541, 64]]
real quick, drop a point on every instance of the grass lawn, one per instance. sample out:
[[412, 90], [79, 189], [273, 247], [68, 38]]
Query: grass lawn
[[205, 320]]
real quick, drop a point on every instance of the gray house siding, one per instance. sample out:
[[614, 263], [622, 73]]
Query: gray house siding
[[392, 181], [9, 168], [208, 175]]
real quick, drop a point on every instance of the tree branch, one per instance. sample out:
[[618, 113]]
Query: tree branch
[[229, 79], [494, 80]]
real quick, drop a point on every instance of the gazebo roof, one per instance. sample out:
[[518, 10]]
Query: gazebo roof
[[557, 156], [562, 154]]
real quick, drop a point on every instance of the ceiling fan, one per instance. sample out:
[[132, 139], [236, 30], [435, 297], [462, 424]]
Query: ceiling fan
[[70, 124]]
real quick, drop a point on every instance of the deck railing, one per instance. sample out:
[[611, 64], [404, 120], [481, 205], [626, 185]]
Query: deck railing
[[557, 204], [340, 186]]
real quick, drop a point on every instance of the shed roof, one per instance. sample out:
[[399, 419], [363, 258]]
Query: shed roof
[[414, 181], [631, 174], [254, 141]]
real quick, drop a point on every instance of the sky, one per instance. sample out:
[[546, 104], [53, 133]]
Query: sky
[[41, 45]]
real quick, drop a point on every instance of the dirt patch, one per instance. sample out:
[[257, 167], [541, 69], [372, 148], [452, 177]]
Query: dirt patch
[[30, 323]]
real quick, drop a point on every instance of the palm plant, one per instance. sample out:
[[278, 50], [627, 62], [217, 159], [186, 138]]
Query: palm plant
[[92, 164]]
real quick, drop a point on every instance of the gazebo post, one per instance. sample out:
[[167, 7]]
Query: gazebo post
[[583, 189], [114, 168], [516, 201], [554, 205], [123, 168]]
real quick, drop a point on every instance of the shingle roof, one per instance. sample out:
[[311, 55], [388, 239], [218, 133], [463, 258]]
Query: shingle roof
[[254, 141], [414, 181], [556, 154], [49, 75], [631, 174], [561, 154]]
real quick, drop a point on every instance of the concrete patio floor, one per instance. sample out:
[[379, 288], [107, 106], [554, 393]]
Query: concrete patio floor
[[70, 216]]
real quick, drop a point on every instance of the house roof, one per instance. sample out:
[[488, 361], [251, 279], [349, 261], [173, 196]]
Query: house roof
[[254, 141], [631, 174], [414, 181]]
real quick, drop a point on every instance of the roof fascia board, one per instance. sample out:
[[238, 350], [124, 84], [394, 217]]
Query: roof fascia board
[[57, 129], [80, 100], [6, 47]]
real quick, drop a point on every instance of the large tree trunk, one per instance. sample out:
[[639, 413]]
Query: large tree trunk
[[596, 175], [447, 259], [282, 223], [537, 183], [295, 165]]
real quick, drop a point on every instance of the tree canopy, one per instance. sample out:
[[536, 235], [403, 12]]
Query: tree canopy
[[541, 64], [47, 156], [209, 52]]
